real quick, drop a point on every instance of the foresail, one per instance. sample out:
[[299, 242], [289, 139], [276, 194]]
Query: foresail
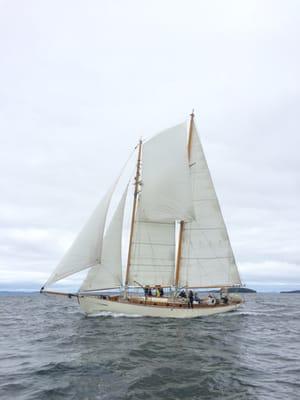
[[206, 257], [166, 187], [86, 249], [108, 274], [153, 253]]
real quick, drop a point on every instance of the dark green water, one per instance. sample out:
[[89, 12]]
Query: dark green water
[[48, 350]]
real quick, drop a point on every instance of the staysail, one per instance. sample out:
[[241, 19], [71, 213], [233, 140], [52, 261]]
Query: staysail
[[165, 197], [87, 247], [108, 273], [207, 258]]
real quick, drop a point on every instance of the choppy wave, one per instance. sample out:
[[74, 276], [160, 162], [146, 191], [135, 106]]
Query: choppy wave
[[49, 350]]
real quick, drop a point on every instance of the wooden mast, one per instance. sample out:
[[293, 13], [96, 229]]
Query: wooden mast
[[136, 192], [181, 225], [189, 146]]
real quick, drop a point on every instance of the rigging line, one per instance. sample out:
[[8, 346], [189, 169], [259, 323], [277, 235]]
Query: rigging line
[[125, 165], [189, 252], [114, 191]]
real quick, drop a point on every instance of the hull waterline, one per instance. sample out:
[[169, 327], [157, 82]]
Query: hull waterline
[[93, 306]]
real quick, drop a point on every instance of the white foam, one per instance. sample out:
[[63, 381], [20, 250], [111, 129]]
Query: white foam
[[114, 315], [250, 313]]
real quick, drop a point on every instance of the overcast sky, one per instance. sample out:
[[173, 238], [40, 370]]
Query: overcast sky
[[81, 81]]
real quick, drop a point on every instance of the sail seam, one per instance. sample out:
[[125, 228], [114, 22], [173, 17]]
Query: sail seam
[[153, 264], [155, 243], [204, 229], [207, 258], [153, 222]]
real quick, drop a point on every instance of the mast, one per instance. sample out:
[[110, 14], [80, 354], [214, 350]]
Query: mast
[[189, 146], [181, 224], [135, 197]]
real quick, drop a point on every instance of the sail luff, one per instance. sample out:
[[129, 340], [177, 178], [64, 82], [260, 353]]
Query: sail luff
[[181, 225], [134, 208]]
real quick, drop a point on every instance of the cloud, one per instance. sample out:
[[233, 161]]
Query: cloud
[[80, 83], [271, 272]]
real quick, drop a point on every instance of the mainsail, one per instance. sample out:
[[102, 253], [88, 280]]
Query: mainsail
[[108, 273], [166, 191], [165, 197], [86, 249], [207, 258], [153, 253]]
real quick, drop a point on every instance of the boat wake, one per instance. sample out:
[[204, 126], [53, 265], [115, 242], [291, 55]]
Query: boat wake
[[257, 313], [113, 315]]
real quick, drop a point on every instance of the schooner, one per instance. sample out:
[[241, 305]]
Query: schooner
[[177, 239]]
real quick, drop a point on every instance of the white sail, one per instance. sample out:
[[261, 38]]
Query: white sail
[[166, 190], [152, 253], [108, 274], [206, 258], [86, 249]]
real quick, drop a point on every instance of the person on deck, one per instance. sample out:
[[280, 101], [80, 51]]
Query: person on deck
[[224, 296], [197, 298], [191, 299], [161, 291], [211, 299], [182, 294]]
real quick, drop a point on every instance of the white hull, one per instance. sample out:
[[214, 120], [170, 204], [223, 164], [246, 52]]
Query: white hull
[[93, 306]]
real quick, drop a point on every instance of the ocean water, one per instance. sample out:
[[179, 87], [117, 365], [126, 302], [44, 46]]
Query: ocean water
[[49, 350]]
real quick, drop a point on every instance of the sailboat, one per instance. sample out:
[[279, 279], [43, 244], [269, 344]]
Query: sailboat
[[178, 239]]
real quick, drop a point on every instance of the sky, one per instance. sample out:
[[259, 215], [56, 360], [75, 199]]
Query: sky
[[82, 81]]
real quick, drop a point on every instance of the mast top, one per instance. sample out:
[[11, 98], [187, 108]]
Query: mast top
[[189, 145], [140, 142]]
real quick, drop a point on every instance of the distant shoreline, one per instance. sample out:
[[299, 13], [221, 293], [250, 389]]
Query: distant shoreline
[[290, 291], [241, 290]]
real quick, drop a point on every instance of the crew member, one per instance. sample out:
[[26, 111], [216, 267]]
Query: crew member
[[197, 298], [224, 296], [157, 291], [191, 299]]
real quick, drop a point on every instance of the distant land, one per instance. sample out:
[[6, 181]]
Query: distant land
[[236, 290], [291, 291], [241, 290]]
